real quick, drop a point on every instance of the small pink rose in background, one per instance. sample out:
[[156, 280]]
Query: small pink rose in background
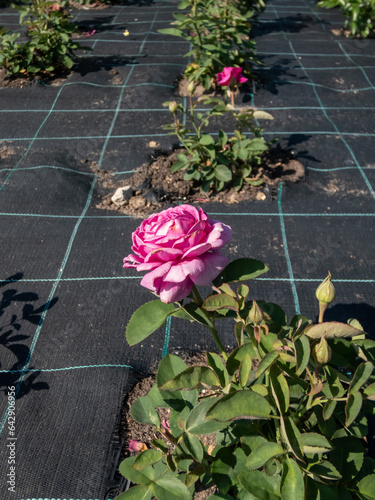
[[136, 446], [89, 33], [230, 76], [55, 6], [179, 247]]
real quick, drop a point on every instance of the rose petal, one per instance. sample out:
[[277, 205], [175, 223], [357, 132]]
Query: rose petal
[[213, 264], [173, 292]]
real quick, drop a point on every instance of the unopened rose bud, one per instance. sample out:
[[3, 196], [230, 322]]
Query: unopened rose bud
[[326, 292], [321, 352], [173, 107], [191, 87], [256, 314]]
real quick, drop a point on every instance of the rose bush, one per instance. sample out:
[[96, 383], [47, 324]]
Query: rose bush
[[179, 247]]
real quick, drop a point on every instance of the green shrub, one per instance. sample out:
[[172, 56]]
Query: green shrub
[[360, 14]]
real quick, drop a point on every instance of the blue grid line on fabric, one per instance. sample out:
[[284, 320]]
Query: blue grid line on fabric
[[340, 134], [266, 53], [135, 136], [67, 368], [254, 214], [286, 252], [312, 84], [32, 141], [105, 278], [365, 178], [144, 110], [51, 294], [120, 100], [361, 68], [55, 167]]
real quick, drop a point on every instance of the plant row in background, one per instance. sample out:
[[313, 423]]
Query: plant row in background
[[285, 410], [222, 57], [49, 46], [218, 32], [360, 14]]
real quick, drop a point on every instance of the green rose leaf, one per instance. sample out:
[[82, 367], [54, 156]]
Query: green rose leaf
[[195, 377], [220, 301], [347, 456], [236, 357], [315, 443], [369, 392], [325, 470], [146, 458], [280, 389], [196, 422], [266, 362], [240, 270], [139, 492], [223, 173], [240, 404], [171, 31], [353, 407], [292, 436], [169, 367], [170, 488], [143, 411], [366, 487], [194, 446], [264, 453], [260, 485], [145, 476], [147, 319], [302, 354], [206, 140], [244, 370], [216, 363], [361, 376], [292, 484], [330, 330]]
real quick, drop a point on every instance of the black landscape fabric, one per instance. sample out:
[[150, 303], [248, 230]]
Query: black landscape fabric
[[65, 298]]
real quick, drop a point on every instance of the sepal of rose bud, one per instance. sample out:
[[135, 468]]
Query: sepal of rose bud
[[136, 446], [326, 292], [256, 315], [321, 352], [173, 106]]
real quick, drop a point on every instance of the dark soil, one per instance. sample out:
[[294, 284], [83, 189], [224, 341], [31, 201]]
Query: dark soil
[[57, 78], [154, 187]]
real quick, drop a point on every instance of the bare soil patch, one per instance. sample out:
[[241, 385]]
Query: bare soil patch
[[58, 78], [154, 186]]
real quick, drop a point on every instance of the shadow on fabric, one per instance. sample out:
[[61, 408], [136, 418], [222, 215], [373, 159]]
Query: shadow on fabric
[[13, 340]]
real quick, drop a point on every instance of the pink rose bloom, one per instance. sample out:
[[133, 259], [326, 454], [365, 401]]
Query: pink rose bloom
[[179, 247], [136, 446], [230, 76]]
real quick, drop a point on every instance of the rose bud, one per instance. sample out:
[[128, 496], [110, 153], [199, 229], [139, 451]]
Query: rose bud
[[173, 107], [326, 292], [256, 314], [191, 87], [321, 352]]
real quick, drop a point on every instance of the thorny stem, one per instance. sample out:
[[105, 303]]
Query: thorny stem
[[198, 299], [232, 97]]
